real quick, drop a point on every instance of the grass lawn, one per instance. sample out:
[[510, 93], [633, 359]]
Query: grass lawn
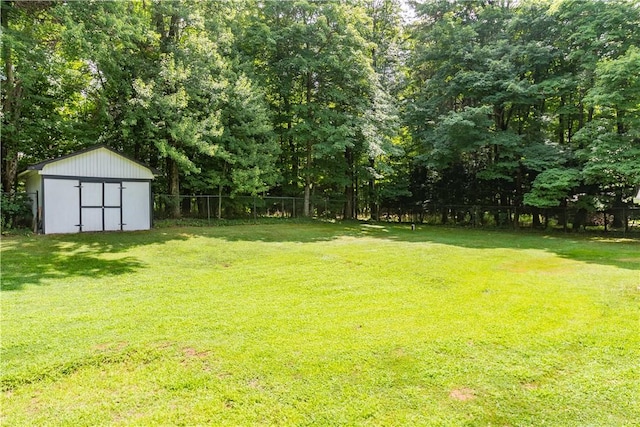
[[320, 324]]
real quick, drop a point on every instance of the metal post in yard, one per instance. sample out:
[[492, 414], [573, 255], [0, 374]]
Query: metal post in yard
[[208, 211]]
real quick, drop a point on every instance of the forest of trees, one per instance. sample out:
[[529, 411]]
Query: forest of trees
[[375, 102]]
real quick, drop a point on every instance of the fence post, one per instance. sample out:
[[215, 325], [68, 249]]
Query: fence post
[[37, 215], [208, 211], [293, 213]]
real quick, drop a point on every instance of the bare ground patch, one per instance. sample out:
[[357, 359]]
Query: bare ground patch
[[462, 394]]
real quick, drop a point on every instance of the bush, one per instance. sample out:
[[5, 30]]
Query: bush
[[16, 210]]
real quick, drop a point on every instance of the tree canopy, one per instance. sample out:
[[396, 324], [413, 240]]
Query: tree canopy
[[485, 102]]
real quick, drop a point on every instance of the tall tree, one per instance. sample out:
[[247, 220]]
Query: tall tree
[[158, 77], [322, 86], [526, 67], [40, 86], [611, 141]]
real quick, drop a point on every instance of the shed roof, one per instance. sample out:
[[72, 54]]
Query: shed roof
[[96, 161]]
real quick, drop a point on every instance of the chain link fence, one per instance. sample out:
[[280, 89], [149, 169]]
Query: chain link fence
[[625, 219], [212, 207], [22, 210]]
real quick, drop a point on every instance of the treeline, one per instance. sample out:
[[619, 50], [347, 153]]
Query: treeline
[[372, 101]]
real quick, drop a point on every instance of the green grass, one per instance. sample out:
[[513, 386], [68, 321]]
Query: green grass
[[320, 324]]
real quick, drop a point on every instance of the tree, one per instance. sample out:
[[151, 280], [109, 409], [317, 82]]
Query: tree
[[534, 71], [611, 142], [157, 76], [321, 84], [40, 87], [246, 151]]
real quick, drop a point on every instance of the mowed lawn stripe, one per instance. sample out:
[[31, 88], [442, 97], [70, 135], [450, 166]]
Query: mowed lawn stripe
[[319, 324]]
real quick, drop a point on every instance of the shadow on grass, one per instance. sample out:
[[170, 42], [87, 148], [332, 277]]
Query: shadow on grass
[[589, 248], [34, 260]]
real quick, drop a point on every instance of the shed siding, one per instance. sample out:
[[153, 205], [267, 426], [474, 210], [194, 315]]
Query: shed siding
[[61, 206], [100, 163], [136, 207], [33, 185]]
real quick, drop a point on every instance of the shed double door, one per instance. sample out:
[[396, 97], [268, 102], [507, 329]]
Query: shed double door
[[100, 206]]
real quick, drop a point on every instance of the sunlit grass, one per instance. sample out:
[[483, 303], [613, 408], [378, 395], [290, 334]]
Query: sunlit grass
[[321, 324]]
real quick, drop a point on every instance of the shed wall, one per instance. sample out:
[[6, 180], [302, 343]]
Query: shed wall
[[100, 163], [33, 186], [61, 206], [136, 205]]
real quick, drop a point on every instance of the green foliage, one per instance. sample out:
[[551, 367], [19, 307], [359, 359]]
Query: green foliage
[[611, 142], [467, 102], [16, 210], [559, 80], [552, 187]]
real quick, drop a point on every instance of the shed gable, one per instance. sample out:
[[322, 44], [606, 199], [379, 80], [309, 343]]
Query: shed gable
[[98, 163]]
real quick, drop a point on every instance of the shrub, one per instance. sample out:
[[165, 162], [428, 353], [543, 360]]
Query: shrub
[[16, 210]]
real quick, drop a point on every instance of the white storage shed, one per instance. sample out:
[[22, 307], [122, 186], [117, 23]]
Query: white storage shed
[[97, 189]]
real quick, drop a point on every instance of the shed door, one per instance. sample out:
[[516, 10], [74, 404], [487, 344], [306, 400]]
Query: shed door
[[100, 206]]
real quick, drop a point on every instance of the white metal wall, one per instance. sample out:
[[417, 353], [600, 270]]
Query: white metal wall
[[61, 206], [99, 163], [136, 205], [33, 185]]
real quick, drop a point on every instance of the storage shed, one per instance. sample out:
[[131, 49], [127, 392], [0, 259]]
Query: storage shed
[[97, 189]]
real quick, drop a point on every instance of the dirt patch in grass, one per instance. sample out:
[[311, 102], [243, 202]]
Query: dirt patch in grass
[[193, 353], [462, 394]]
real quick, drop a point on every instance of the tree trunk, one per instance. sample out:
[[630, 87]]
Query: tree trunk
[[307, 175], [11, 94], [579, 219], [173, 181], [220, 201], [9, 168], [618, 211], [373, 200], [348, 189], [561, 120], [348, 201], [516, 217], [185, 206], [535, 214], [203, 211], [307, 184]]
